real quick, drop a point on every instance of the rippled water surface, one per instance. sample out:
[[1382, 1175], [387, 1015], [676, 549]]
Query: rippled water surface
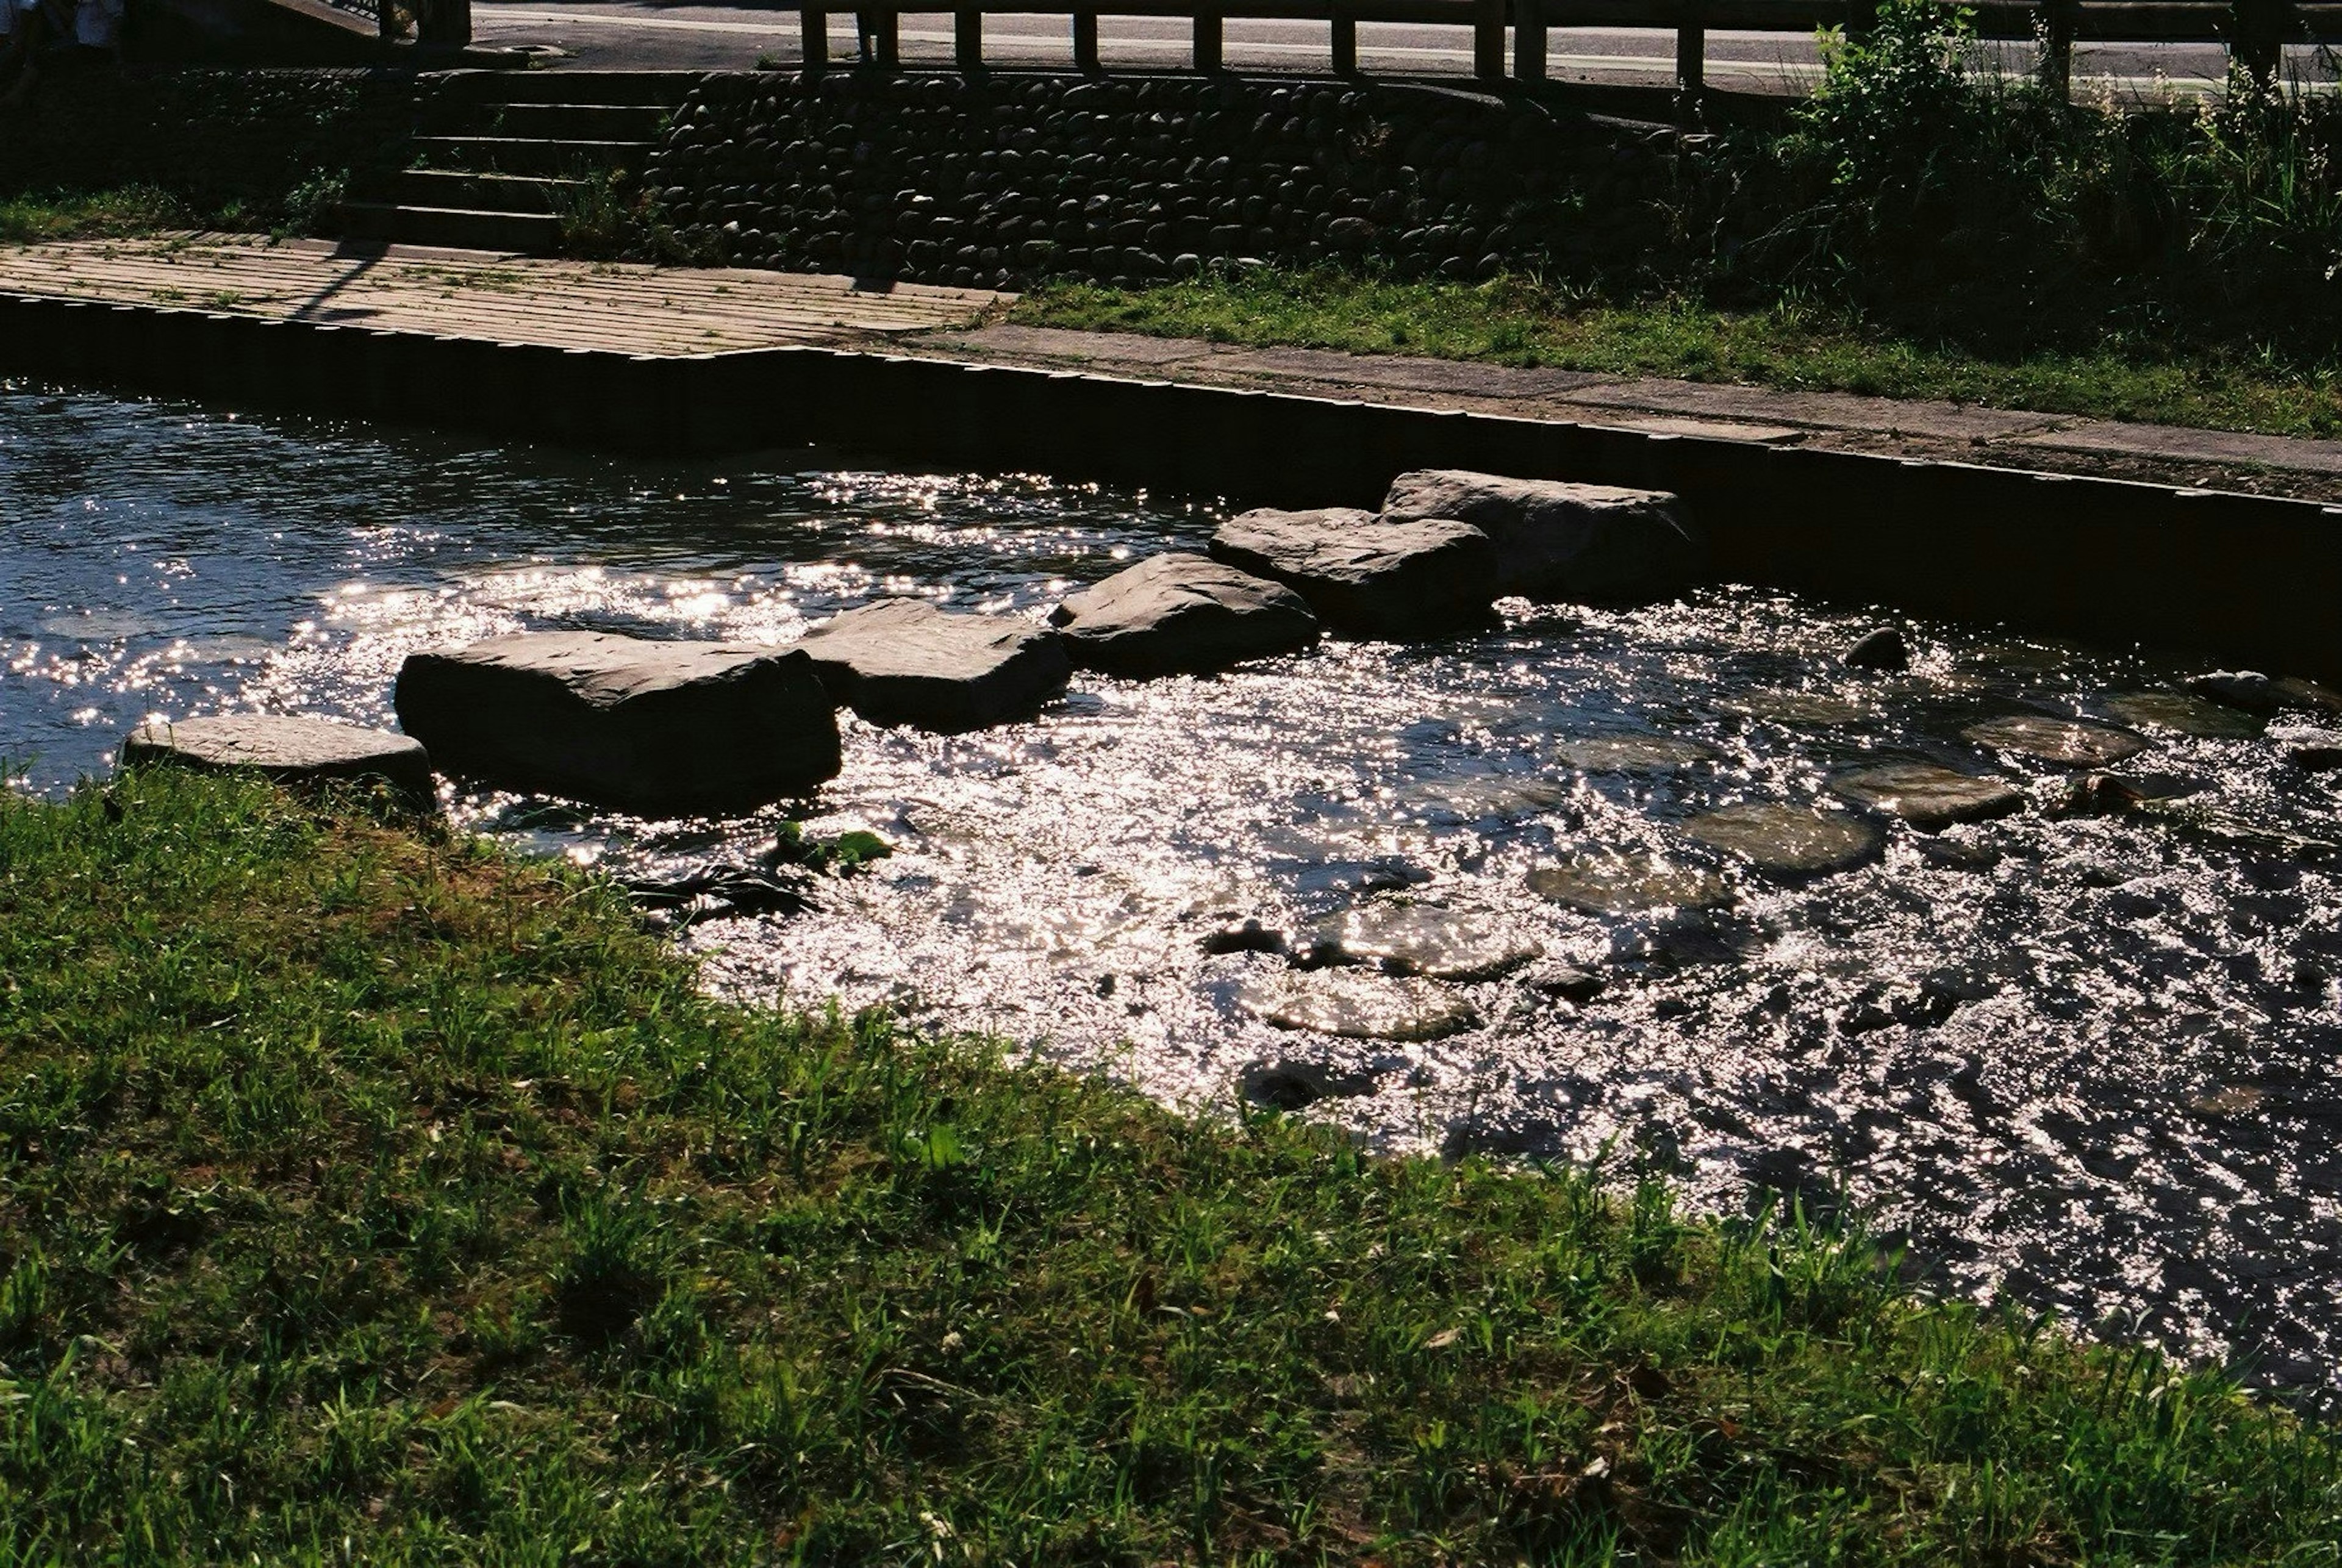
[[2090, 1058]]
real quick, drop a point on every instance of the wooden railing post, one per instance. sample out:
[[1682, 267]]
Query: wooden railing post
[[2257, 39], [1208, 40], [1488, 39], [1345, 43], [1085, 47], [1529, 40], [967, 40], [813, 32], [1691, 63], [2058, 24]]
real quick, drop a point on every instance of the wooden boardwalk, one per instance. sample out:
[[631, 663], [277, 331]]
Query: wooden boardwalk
[[505, 299]]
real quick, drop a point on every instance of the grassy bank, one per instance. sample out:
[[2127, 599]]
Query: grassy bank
[[99, 214], [1798, 346], [369, 1197]]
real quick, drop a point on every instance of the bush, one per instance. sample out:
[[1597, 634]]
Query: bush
[[1925, 188]]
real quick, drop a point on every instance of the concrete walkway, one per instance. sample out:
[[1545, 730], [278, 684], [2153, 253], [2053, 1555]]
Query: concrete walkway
[[676, 312]]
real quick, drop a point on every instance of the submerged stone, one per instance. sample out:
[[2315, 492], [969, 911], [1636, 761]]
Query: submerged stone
[[1628, 885], [290, 749], [2298, 693], [1420, 939], [1556, 540], [2068, 742], [1366, 576], [2183, 713], [1632, 753], [1927, 796], [2310, 749], [1181, 613], [626, 722], [1358, 1005], [1789, 839], [907, 662], [2247, 689], [1796, 708], [1286, 1086]]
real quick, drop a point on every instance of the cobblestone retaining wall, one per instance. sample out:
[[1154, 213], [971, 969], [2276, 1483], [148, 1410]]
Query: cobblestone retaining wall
[[998, 181]]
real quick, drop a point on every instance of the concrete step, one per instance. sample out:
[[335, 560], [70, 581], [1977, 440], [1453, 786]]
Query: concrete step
[[556, 121], [656, 89], [528, 155], [525, 233], [458, 189]]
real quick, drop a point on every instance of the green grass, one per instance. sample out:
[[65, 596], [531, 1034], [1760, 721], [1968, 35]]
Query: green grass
[[87, 214], [366, 1195], [1792, 345]]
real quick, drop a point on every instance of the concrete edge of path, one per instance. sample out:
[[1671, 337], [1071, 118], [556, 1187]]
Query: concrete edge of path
[[2241, 578], [2018, 437]]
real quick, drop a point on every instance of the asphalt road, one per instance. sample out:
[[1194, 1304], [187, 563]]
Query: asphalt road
[[612, 33]]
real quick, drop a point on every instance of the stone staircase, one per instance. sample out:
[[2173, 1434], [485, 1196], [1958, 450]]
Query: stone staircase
[[501, 155]]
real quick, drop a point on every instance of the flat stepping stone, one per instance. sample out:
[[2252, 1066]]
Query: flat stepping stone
[[907, 662], [1821, 709], [1358, 1005], [1496, 796], [1181, 613], [1420, 939], [1364, 576], [2067, 743], [631, 722], [2184, 713], [1929, 797], [1791, 841], [1554, 540], [1632, 753], [1628, 885], [290, 749]]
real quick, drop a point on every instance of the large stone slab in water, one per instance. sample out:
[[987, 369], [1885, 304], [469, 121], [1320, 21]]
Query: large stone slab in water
[[1628, 885], [1181, 613], [1632, 753], [2183, 713], [1554, 540], [1789, 839], [1365, 576], [1929, 797], [627, 721], [907, 662], [1420, 939], [2067, 743], [1358, 1005], [290, 749]]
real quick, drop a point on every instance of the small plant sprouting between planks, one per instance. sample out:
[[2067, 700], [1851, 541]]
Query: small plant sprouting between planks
[[362, 1184]]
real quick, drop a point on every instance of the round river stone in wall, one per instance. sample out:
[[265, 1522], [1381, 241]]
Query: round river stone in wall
[[1628, 885], [1789, 839], [2183, 713], [1632, 753], [1927, 796], [2068, 742], [1358, 1006], [1817, 708], [1420, 939]]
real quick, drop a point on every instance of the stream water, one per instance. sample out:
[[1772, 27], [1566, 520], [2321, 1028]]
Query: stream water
[[2090, 1060]]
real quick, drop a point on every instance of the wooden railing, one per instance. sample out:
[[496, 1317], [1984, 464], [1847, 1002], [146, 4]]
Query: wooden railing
[[2255, 31]]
